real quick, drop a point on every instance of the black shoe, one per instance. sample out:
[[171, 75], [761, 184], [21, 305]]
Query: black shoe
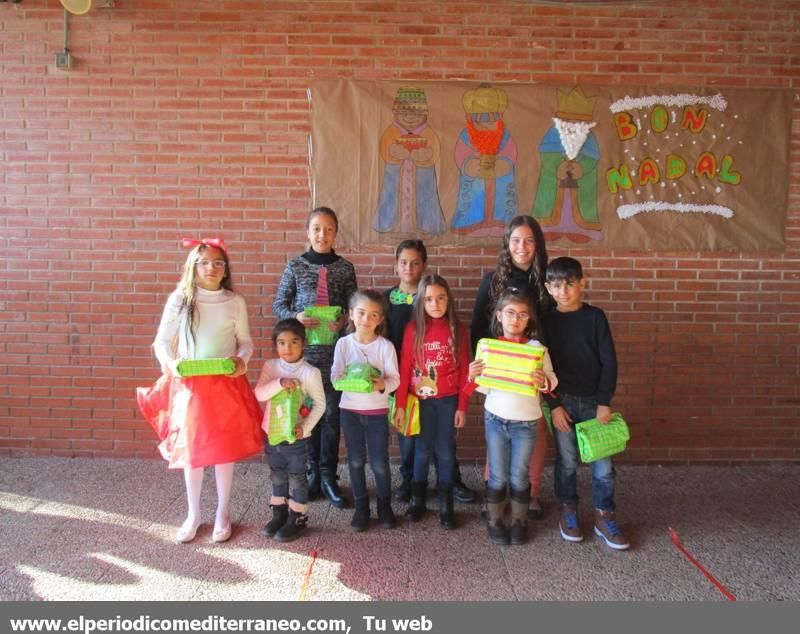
[[360, 520], [280, 513], [462, 493], [416, 507], [386, 518], [332, 491], [293, 528], [447, 518], [403, 492], [314, 484]]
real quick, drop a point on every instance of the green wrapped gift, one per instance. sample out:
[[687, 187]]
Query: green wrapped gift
[[322, 335], [284, 414], [596, 440], [357, 378], [205, 367]]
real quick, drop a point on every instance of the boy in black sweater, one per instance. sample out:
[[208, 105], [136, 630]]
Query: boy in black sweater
[[585, 362]]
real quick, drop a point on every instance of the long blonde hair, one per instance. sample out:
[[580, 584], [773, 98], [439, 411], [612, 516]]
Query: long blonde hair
[[187, 285], [420, 316]]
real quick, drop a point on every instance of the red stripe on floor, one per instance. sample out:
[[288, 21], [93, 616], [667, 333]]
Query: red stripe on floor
[[676, 540]]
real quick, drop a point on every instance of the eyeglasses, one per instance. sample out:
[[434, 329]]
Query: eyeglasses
[[217, 264], [513, 314]]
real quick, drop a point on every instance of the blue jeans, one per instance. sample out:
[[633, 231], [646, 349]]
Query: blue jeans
[[581, 408], [287, 469], [509, 445], [437, 438], [364, 435], [407, 450], [323, 448]]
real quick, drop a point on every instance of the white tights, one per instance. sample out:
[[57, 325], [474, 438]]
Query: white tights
[[194, 485]]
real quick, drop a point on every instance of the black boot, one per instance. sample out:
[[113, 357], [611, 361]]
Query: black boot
[[280, 513], [416, 508], [403, 492], [314, 483], [360, 520], [386, 518], [519, 515], [331, 490], [447, 518], [294, 526], [495, 508], [461, 491]]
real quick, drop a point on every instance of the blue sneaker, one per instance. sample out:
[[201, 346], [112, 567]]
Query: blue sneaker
[[605, 526]]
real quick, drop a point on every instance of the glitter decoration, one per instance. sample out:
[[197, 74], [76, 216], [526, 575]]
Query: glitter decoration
[[629, 211], [718, 102]]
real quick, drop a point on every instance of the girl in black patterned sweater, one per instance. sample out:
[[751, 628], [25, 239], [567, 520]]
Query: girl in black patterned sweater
[[320, 277]]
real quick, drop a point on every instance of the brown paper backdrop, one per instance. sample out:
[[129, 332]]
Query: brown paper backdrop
[[349, 118]]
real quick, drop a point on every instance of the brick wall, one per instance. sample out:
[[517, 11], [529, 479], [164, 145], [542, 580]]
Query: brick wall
[[190, 117]]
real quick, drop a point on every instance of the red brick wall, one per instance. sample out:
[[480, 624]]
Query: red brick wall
[[190, 117]]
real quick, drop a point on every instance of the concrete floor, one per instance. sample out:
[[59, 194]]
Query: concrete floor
[[103, 529]]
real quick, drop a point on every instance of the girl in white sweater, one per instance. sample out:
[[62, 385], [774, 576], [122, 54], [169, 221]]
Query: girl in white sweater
[[213, 420], [365, 415], [511, 422]]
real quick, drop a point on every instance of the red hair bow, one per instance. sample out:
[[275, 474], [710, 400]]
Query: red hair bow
[[219, 243]]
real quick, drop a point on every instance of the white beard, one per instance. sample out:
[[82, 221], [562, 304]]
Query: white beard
[[573, 135]]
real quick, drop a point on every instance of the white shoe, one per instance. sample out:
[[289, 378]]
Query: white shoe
[[222, 533], [187, 532]]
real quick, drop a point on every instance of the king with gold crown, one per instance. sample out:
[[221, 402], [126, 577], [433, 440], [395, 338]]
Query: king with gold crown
[[566, 195], [485, 155]]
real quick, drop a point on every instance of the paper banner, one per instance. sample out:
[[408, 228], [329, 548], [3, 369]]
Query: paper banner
[[639, 168]]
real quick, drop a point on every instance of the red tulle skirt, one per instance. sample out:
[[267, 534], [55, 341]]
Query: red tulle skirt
[[203, 420]]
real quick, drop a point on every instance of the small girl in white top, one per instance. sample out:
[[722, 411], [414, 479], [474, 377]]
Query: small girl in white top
[[511, 421], [213, 420], [364, 416], [287, 452]]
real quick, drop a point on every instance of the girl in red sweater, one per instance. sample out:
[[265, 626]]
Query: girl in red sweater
[[434, 364]]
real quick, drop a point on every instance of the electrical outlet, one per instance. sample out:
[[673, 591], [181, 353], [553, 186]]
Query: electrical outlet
[[64, 60]]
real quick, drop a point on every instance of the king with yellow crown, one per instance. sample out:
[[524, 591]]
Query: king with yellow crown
[[485, 155], [566, 195]]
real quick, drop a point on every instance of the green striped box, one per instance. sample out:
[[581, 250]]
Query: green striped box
[[509, 365]]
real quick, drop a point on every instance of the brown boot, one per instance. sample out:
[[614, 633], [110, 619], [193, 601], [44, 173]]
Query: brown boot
[[495, 508], [519, 515]]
